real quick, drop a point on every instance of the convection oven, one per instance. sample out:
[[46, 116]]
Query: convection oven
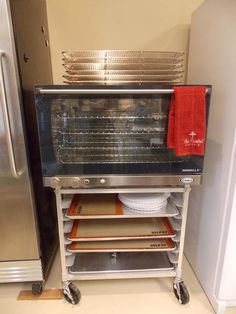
[[110, 136]]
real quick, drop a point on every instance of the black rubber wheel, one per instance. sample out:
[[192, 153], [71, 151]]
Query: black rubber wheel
[[75, 294], [37, 288], [184, 294]]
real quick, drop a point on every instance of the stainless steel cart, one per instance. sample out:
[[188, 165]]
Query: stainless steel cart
[[81, 266]]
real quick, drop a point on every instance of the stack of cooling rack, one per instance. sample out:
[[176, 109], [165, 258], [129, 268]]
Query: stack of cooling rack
[[111, 67]]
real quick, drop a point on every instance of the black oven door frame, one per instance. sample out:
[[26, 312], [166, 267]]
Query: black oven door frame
[[189, 166]]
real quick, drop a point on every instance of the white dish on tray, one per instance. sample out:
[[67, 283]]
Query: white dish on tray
[[144, 198], [147, 210], [144, 202], [146, 207]]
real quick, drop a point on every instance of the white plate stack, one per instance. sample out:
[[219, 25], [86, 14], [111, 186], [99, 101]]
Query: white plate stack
[[144, 203]]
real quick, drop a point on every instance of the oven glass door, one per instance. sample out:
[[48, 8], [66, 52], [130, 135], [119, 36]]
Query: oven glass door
[[108, 134]]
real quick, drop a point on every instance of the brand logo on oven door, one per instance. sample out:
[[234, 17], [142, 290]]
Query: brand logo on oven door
[[186, 180]]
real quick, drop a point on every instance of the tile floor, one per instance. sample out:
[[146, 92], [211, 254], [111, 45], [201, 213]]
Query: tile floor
[[135, 296]]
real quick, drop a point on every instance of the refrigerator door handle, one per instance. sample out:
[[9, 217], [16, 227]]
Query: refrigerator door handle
[[5, 114]]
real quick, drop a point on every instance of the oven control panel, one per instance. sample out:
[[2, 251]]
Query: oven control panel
[[90, 182], [75, 182]]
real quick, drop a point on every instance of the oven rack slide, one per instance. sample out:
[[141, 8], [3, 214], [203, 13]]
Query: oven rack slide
[[83, 134], [139, 245], [107, 206], [123, 147], [109, 116], [70, 156], [118, 259], [119, 229]]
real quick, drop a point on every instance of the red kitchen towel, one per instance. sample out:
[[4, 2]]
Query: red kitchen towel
[[187, 120]]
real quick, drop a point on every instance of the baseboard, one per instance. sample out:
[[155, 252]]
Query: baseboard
[[231, 303], [219, 306]]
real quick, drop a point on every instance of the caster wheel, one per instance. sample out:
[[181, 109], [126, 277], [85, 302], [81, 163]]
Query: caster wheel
[[37, 288], [72, 293], [181, 292]]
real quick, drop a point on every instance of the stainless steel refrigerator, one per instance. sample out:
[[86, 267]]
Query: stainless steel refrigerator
[[27, 220]]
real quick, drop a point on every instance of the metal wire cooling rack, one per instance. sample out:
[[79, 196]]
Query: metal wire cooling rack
[[114, 67]]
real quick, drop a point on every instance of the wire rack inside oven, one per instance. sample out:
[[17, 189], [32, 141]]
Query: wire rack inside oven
[[110, 131], [114, 67]]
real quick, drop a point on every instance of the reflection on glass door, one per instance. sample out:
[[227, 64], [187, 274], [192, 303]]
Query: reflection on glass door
[[110, 130]]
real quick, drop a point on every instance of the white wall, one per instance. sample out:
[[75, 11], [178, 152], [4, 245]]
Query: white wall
[[117, 24], [212, 58], [226, 277]]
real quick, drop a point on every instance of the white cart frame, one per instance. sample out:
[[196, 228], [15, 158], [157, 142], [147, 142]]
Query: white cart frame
[[176, 273]]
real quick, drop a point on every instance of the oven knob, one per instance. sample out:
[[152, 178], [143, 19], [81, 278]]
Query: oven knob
[[86, 181], [55, 183], [103, 181], [75, 183]]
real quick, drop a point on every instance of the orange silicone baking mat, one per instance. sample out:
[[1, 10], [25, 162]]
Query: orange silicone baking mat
[[123, 245], [109, 229], [94, 204]]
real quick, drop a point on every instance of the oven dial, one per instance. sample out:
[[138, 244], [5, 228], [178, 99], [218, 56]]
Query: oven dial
[[55, 183], [103, 181], [86, 181], [75, 183]]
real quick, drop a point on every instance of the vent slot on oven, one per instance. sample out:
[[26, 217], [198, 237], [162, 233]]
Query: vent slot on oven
[[110, 67], [110, 130]]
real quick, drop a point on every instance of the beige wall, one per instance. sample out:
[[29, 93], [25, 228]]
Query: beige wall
[[117, 24]]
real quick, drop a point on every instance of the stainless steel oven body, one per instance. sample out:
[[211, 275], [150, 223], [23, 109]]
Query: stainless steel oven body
[[110, 137]]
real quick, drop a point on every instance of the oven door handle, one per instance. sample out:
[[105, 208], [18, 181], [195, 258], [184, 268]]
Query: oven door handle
[[106, 91]]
